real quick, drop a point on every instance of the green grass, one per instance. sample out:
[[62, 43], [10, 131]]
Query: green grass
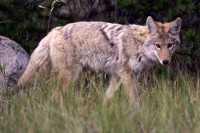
[[167, 106]]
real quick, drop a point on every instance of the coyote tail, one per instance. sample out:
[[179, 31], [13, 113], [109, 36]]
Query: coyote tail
[[39, 61]]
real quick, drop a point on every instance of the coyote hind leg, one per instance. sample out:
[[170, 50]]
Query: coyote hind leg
[[64, 78]]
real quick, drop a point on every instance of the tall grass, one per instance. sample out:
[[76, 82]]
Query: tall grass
[[167, 106]]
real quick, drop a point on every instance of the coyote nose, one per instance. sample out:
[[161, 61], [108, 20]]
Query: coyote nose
[[165, 62]]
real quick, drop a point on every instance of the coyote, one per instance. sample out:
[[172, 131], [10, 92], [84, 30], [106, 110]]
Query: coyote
[[123, 51]]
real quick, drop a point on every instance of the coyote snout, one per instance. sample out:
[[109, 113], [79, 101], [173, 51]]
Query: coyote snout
[[163, 54]]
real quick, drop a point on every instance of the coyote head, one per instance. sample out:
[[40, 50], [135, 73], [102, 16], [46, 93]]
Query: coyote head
[[163, 40]]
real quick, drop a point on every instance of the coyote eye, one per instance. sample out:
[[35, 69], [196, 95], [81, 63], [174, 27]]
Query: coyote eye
[[170, 45], [157, 45]]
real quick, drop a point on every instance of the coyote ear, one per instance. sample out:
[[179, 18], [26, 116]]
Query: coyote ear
[[151, 25], [175, 27]]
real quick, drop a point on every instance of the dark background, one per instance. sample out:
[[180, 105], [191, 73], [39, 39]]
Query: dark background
[[28, 21]]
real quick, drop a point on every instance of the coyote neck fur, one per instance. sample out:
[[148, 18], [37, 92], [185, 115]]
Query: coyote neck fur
[[142, 61], [139, 59]]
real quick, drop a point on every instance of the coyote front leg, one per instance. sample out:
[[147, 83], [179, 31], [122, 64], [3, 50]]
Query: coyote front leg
[[129, 82], [113, 87]]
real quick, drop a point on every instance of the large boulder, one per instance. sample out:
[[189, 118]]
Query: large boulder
[[13, 61]]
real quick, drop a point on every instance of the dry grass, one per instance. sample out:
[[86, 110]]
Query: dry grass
[[167, 106]]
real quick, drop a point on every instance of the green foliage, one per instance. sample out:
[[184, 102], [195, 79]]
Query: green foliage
[[22, 21], [126, 3], [21, 24]]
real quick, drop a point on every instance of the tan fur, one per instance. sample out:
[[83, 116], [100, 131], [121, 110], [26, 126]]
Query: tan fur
[[123, 51]]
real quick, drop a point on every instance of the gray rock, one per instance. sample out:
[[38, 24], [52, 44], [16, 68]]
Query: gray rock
[[13, 61]]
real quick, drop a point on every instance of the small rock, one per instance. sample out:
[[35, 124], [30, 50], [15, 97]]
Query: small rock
[[13, 61]]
